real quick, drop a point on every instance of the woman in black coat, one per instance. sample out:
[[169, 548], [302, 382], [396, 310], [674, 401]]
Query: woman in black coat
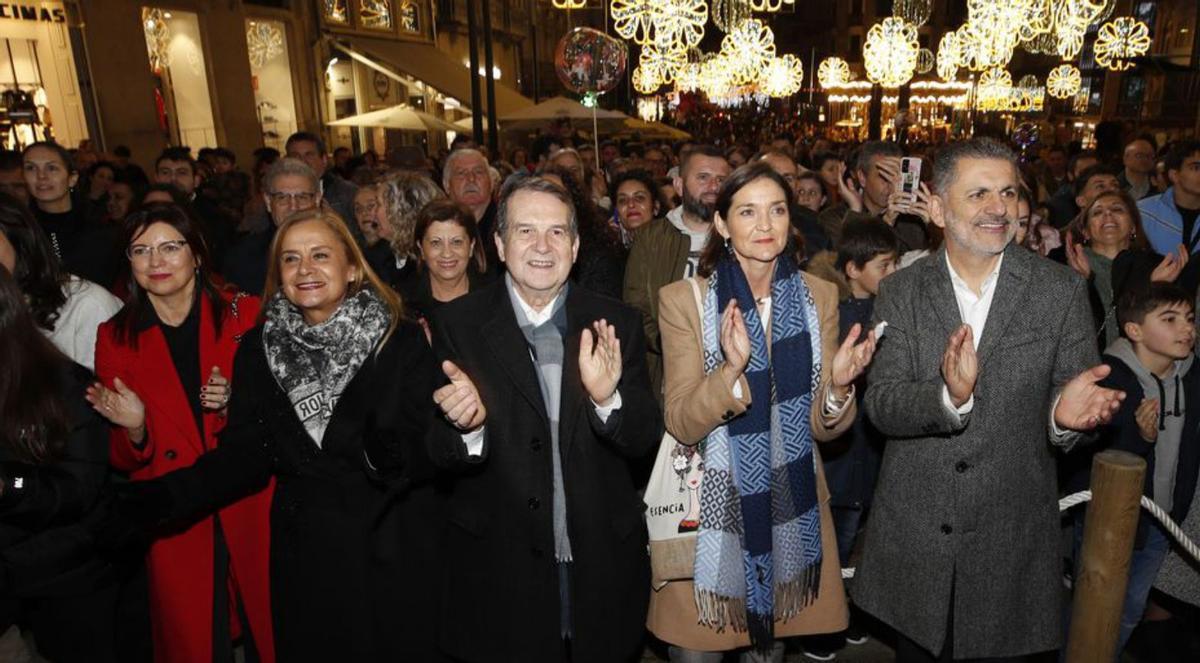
[[333, 401], [53, 468]]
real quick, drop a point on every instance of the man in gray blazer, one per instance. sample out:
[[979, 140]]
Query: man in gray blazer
[[986, 368]]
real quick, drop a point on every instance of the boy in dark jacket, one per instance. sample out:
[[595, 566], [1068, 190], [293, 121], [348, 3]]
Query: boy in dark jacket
[[867, 252], [1152, 364]]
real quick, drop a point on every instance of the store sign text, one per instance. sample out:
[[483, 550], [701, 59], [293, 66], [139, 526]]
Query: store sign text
[[27, 13]]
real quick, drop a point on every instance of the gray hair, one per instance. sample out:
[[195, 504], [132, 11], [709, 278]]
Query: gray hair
[[448, 167], [404, 193], [875, 148], [519, 182], [290, 166], [945, 166]]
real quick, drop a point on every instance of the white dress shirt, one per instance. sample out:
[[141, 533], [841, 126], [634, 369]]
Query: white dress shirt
[[973, 309]]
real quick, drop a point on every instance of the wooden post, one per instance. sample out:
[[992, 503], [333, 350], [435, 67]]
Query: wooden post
[[1108, 532]]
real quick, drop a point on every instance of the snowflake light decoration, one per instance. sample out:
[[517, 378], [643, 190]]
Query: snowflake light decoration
[[948, 56], [890, 52], [634, 19], [645, 79], [832, 72], [747, 49], [666, 64], [782, 76], [1063, 81], [1119, 40], [264, 41], [679, 24]]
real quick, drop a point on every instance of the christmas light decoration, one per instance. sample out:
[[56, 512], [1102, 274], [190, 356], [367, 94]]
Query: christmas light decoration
[[832, 72], [1119, 40], [1063, 81], [890, 52]]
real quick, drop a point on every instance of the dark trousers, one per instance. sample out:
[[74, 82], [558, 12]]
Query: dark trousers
[[68, 629]]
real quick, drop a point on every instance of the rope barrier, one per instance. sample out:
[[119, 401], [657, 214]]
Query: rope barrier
[[1075, 499]]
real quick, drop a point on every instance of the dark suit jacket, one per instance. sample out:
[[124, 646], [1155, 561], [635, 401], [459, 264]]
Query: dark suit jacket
[[500, 598], [353, 552], [968, 507]]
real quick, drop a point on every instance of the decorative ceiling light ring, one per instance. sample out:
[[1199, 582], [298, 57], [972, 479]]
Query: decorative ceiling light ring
[[1063, 81], [925, 61], [948, 56], [634, 19], [832, 72], [782, 76], [916, 12], [1120, 40], [890, 52]]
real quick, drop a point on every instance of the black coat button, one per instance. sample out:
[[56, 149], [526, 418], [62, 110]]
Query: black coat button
[[535, 444], [946, 529], [962, 466], [170, 454], [534, 503]]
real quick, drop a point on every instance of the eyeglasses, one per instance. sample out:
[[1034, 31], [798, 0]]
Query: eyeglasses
[[303, 199], [170, 250]]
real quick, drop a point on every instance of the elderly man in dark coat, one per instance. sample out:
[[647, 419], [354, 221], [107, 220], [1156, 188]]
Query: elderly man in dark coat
[[987, 366], [548, 400]]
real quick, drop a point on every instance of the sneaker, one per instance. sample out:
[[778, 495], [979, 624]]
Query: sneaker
[[818, 654], [855, 635]]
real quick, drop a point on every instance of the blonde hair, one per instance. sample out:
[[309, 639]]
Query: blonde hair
[[354, 255], [403, 194]]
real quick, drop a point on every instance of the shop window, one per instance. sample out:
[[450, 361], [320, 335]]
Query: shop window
[[375, 14], [176, 58], [336, 11], [39, 94], [271, 78]]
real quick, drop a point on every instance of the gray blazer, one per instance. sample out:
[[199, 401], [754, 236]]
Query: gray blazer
[[967, 510]]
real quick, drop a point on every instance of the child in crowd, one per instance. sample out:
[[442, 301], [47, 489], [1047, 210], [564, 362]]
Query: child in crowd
[[867, 252], [1152, 364]]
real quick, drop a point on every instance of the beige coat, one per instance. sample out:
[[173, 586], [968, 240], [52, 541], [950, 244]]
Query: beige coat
[[696, 403]]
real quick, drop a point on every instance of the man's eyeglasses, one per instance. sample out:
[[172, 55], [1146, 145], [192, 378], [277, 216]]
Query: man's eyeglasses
[[170, 250], [303, 199]]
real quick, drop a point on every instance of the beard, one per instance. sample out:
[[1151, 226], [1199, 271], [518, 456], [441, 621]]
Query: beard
[[697, 207], [963, 232]]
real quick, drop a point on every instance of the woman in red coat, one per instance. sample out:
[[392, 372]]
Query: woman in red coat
[[166, 368]]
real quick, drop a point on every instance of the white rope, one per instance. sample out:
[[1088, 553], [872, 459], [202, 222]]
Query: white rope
[[1075, 499], [1149, 505]]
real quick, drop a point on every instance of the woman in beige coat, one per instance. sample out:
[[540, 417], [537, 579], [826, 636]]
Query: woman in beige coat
[[753, 247]]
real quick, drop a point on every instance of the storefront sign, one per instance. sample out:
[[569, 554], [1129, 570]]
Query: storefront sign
[[18, 12]]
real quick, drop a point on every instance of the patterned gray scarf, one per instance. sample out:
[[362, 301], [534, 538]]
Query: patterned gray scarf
[[547, 349], [313, 364]]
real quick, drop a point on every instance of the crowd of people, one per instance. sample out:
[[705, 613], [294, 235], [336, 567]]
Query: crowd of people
[[346, 407]]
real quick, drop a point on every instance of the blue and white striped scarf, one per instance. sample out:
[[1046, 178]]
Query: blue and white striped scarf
[[758, 553]]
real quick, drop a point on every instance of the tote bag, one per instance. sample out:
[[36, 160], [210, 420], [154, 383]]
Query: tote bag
[[673, 502]]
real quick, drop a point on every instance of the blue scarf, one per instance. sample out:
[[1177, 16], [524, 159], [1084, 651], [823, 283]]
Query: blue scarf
[[758, 553]]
